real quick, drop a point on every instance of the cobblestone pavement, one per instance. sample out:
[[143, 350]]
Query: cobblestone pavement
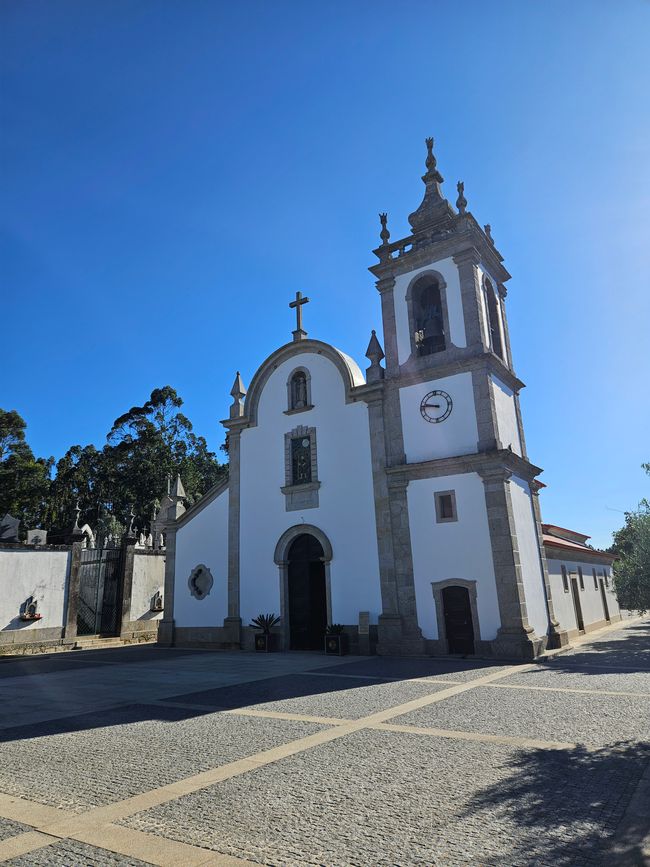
[[145, 756]]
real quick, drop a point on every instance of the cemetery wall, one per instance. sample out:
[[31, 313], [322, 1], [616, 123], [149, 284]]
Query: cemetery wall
[[33, 572], [148, 579]]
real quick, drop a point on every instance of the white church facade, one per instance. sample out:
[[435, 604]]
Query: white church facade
[[399, 502]]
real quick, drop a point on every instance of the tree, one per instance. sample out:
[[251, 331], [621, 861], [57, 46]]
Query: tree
[[150, 443], [24, 479], [632, 568]]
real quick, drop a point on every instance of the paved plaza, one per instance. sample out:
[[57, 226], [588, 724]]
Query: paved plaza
[[144, 755]]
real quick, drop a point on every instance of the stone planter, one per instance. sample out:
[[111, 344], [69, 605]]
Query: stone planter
[[263, 642], [336, 645]]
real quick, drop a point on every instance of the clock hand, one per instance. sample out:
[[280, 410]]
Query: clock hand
[[433, 405]]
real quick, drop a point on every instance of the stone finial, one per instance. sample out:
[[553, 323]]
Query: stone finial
[[434, 206], [374, 353], [461, 201], [238, 393], [487, 228], [384, 234], [77, 512], [178, 491]]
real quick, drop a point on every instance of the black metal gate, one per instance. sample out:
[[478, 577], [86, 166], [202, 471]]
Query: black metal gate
[[100, 591]]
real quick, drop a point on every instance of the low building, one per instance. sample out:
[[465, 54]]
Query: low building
[[581, 583]]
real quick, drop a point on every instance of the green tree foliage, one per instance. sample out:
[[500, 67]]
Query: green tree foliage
[[632, 569], [145, 446], [24, 479]]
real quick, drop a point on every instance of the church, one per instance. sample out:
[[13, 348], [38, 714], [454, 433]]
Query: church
[[399, 502]]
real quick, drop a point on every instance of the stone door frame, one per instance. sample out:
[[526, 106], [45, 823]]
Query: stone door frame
[[282, 562]]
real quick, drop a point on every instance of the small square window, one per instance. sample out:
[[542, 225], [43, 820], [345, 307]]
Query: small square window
[[565, 579], [581, 577], [445, 506]]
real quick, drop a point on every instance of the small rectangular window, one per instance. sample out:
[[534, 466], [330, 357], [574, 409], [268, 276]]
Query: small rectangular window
[[606, 577], [565, 579], [445, 506], [581, 577], [595, 579]]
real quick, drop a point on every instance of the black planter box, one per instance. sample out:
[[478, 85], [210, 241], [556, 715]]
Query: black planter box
[[336, 645], [263, 643]]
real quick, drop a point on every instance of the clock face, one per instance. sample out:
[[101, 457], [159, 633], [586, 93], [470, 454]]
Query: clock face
[[436, 406]]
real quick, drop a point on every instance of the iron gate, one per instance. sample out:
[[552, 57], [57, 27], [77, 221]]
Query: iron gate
[[100, 591]]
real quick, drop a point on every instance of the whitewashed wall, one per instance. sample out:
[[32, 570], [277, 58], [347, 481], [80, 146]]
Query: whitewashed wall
[[449, 271], [148, 577], [42, 574], [458, 549], [346, 513], [203, 539], [508, 429], [529, 555], [590, 598], [457, 435]]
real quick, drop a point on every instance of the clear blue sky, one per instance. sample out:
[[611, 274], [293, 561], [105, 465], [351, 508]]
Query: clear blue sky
[[173, 171]]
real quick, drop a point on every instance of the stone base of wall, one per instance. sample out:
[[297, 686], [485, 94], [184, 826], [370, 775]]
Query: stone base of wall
[[520, 645], [136, 631], [38, 635], [208, 637]]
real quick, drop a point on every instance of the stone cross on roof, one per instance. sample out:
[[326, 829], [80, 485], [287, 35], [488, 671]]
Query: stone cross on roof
[[299, 333]]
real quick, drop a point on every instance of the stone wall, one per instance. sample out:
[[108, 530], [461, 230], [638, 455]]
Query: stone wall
[[41, 573]]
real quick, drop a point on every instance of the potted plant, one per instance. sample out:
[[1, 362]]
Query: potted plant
[[264, 638], [336, 641]]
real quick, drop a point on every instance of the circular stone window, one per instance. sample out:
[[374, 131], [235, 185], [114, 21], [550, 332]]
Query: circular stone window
[[200, 581]]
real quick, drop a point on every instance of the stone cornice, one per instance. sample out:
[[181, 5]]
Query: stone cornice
[[419, 249], [483, 463], [557, 551], [467, 361], [205, 500]]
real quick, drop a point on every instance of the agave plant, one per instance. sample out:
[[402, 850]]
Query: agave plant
[[334, 629], [265, 622]]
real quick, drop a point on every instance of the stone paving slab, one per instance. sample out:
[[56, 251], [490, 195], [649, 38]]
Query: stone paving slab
[[551, 716], [376, 798], [575, 677], [9, 828], [70, 853], [94, 759], [394, 668], [337, 697]]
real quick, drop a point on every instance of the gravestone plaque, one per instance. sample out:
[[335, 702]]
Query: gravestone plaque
[[37, 537], [364, 623], [9, 528]]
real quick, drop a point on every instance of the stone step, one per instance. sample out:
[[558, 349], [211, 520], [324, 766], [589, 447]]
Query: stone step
[[90, 641]]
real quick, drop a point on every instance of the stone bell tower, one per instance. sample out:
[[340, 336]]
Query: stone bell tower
[[450, 407]]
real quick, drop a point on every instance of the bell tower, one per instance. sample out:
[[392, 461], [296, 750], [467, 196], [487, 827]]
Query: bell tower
[[451, 408]]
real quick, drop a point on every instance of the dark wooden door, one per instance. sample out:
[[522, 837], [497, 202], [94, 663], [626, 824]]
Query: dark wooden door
[[458, 619], [603, 596], [576, 604], [307, 594]]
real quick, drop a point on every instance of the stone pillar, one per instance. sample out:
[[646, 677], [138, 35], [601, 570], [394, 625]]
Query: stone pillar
[[385, 287], [128, 561], [70, 631], [471, 295], [233, 620], [166, 625], [516, 637], [557, 637], [486, 411]]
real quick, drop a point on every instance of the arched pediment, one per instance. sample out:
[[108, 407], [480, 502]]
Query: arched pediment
[[285, 540], [348, 369]]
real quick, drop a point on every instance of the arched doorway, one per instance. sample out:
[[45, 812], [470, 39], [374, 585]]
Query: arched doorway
[[459, 628], [307, 593]]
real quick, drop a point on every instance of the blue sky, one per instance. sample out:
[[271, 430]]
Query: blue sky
[[173, 171]]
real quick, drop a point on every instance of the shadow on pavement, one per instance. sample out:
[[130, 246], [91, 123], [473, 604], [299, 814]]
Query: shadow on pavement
[[568, 806]]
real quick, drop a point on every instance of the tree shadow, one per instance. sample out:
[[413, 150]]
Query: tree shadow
[[630, 651], [568, 807]]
